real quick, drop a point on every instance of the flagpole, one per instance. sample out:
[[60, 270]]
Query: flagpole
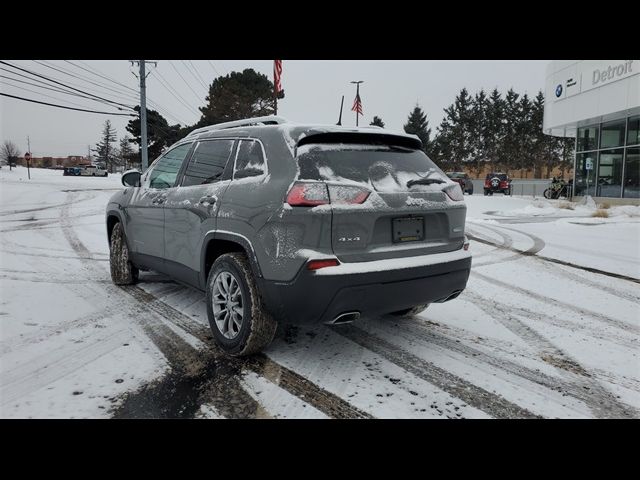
[[275, 90], [357, 96]]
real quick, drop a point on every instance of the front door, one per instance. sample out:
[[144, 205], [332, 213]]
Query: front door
[[145, 213]]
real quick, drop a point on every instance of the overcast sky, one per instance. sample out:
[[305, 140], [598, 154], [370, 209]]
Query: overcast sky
[[313, 91]]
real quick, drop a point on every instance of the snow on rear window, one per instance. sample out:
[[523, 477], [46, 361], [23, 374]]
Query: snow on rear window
[[380, 167]]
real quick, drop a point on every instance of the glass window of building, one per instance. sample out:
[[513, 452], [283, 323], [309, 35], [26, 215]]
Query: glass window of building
[[613, 134], [633, 131], [587, 138], [585, 183], [632, 174], [610, 173]]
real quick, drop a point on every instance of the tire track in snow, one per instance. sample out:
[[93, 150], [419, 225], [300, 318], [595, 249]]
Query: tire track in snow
[[414, 329], [292, 382], [491, 403], [602, 403], [625, 326]]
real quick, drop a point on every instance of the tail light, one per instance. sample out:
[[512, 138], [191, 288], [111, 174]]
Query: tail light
[[454, 192], [308, 194], [312, 194], [318, 264]]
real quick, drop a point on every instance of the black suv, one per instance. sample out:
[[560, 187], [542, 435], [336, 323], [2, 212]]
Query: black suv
[[296, 223]]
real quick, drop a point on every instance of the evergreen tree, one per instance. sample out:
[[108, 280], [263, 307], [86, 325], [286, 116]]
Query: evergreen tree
[[480, 131], [510, 151], [455, 146], [377, 121], [236, 96], [417, 124], [126, 154], [159, 133], [104, 150], [495, 128]]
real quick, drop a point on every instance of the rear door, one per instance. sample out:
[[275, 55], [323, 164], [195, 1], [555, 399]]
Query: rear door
[[191, 208], [406, 212], [145, 213]]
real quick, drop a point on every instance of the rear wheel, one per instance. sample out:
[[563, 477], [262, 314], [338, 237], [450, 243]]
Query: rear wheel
[[237, 318], [410, 312], [547, 193], [123, 272]]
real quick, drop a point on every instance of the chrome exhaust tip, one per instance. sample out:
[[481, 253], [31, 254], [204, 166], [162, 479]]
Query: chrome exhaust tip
[[346, 317]]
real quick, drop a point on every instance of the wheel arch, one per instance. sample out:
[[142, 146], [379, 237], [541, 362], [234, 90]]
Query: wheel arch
[[218, 243]]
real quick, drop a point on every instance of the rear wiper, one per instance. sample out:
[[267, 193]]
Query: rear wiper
[[424, 181]]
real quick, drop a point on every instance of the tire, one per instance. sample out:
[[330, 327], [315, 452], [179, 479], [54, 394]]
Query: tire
[[257, 327], [486, 192], [547, 193], [123, 272], [410, 312]]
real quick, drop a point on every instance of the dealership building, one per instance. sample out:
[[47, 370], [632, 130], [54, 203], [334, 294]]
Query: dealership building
[[598, 103]]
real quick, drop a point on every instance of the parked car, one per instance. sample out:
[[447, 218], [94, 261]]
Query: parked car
[[72, 171], [278, 221], [465, 182], [497, 182], [94, 171]]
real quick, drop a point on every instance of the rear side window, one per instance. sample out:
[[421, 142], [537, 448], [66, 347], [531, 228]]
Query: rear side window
[[250, 160], [381, 167], [166, 169], [208, 162]]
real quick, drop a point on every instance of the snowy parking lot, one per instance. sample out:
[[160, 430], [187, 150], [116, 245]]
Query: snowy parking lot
[[549, 325]]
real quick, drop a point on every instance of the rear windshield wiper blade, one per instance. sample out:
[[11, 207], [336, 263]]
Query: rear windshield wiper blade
[[424, 181]]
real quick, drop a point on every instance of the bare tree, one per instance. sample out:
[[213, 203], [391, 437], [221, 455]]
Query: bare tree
[[9, 153]]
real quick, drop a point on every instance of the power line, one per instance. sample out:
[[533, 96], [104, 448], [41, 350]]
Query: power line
[[214, 68], [67, 86], [194, 73], [47, 87], [171, 90], [187, 83], [68, 108], [152, 102], [40, 93]]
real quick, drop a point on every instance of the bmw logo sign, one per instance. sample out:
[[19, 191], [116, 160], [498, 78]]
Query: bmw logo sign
[[558, 91]]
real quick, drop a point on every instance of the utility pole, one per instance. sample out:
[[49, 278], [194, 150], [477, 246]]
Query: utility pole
[[143, 111], [28, 157], [357, 105]]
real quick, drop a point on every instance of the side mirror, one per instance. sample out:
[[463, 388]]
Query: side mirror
[[131, 178]]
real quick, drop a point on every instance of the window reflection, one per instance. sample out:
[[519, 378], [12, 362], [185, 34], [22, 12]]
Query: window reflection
[[610, 173], [632, 174]]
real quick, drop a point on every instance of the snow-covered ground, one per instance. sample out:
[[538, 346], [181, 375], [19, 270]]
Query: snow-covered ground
[[549, 325]]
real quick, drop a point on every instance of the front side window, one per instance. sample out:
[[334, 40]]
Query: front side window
[[165, 171], [250, 160], [208, 162]]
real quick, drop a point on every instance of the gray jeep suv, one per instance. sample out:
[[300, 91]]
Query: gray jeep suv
[[278, 221]]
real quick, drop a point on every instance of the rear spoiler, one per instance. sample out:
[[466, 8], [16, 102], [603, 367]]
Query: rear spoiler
[[369, 138]]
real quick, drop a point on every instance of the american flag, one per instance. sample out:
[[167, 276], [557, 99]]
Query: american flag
[[357, 104], [277, 75]]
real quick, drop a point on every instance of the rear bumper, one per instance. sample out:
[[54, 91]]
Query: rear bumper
[[370, 288]]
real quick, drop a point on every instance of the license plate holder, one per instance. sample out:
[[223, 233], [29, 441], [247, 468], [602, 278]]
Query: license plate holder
[[408, 229]]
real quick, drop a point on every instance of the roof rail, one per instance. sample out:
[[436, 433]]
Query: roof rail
[[268, 120]]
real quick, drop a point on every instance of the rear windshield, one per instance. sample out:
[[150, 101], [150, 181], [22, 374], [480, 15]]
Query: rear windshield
[[501, 176], [381, 167], [455, 175]]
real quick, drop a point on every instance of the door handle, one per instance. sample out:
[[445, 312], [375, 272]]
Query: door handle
[[158, 200], [208, 199]]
